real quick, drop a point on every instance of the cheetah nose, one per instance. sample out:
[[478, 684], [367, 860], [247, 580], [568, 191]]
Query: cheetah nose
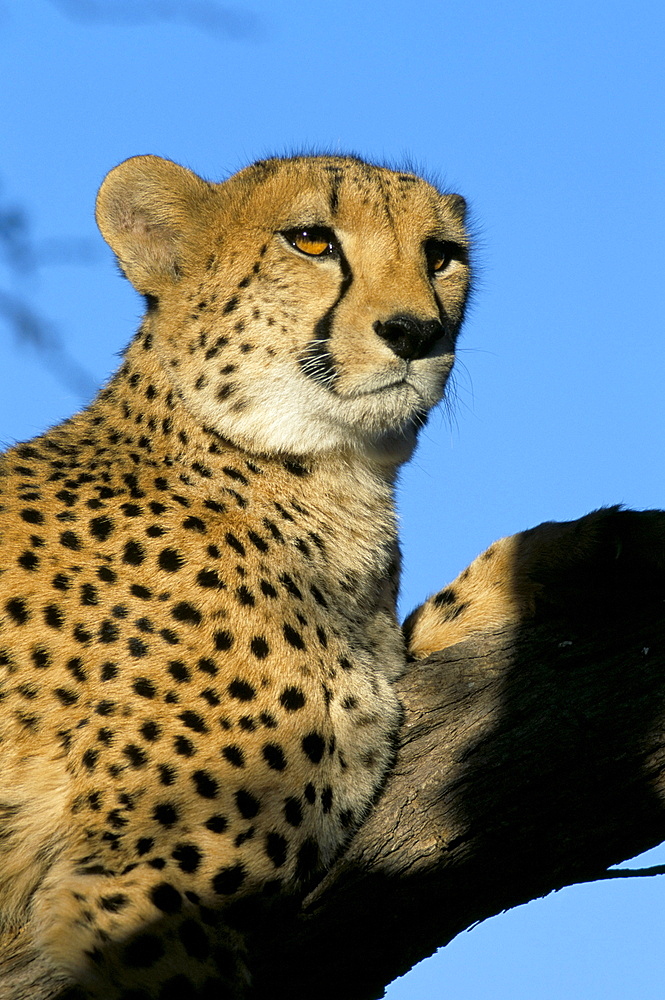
[[408, 337]]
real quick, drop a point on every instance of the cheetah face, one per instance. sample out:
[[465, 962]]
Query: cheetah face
[[304, 305]]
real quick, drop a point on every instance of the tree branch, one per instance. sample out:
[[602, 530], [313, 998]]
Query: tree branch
[[530, 759]]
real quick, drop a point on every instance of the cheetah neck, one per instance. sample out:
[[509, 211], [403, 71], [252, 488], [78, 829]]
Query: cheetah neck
[[140, 421]]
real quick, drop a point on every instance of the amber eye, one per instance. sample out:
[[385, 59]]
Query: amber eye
[[315, 241], [439, 254]]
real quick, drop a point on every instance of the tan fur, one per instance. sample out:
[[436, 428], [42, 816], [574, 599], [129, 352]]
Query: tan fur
[[197, 618]]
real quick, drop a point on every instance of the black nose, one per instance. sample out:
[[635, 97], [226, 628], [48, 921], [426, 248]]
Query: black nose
[[408, 337]]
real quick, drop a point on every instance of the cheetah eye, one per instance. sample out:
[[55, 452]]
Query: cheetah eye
[[315, 241], [439, 254]]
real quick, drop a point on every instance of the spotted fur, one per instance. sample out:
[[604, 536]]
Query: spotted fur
[[197, 612]]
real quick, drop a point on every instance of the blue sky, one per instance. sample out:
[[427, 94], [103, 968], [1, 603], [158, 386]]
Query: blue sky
[[548, 118]]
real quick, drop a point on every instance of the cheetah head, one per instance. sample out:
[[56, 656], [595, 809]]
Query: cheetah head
[[303, 305]]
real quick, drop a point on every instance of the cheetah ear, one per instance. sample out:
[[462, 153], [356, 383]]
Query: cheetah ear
[[147, 210], [456, 204]]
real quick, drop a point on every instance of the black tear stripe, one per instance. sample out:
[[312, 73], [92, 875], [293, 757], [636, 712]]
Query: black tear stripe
[[317, 362], [451, 329]]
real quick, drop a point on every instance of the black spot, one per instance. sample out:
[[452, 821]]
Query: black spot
[[131, 509], [193, 721], [142, 592], [273, 529], [165, 814], [81, 634], [167, 775], [235, 474], [313, 746], [318, 596], [194, 524], [178, 671], [276, 849], [101, 527], [32, 516], [259, 647], [207, 666], [345, 664], [326, 799], [184, 747], [135, 755], [170, 560], [137, 647], [143, 951], [195, 942], [115, 903], [268, 589], [245, 596], [29, 560], [75, 668], [447, 596], [144, 846], [187, 857], [292, 699], [133, 553], [223, 640], [290, 586], [295, 468], [206, 786], [235, 543], [65, 696], [242, 690], [53, 616], [106, 575], [308, 859], [89, 595], [346, 818], [41, 658], [292, 812], [89, 759], [229, 880], [184, 612], [234, 755], [166, 898], [105, 707], [150, 731], [246, 804], [310, 793], [293, 637], [257, 541], [108, 631], [217, 824], [274, 756], [209, 578], [70, 540], [18, 611], [108, 671]]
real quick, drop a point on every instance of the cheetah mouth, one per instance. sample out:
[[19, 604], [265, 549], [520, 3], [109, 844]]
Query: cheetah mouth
[[403, 387]]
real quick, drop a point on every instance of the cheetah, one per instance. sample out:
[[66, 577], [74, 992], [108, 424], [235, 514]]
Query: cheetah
[[198, 635]]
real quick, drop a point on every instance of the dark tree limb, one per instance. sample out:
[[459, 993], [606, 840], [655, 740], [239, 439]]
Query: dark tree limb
[[530, 759]]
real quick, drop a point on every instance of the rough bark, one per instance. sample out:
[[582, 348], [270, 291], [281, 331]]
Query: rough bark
[[529, 759]]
